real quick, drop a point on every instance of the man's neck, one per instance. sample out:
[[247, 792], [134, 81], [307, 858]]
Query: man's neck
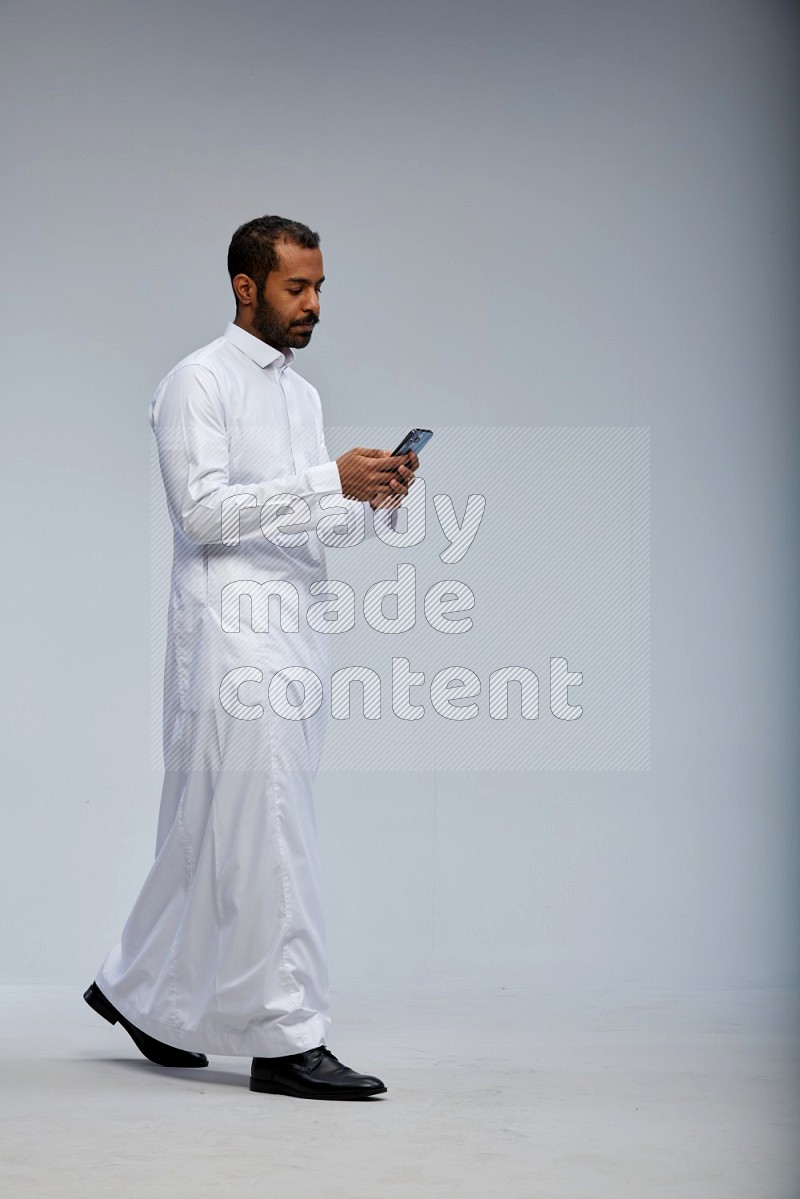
[[254, 333]]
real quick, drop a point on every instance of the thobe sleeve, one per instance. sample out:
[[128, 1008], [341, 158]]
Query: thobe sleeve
[[188, 419]]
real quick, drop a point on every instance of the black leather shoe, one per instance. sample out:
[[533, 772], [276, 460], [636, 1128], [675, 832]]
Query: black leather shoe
[[155, 1051], [314, 1074]]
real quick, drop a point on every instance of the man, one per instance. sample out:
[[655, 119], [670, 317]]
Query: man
[[224, 950]]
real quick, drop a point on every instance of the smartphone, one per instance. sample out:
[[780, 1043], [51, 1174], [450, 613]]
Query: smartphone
[[414, 440]]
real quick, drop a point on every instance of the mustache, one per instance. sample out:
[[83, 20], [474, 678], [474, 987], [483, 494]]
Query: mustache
[[301, 324]]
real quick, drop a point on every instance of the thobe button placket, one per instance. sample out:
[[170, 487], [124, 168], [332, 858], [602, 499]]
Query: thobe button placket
[[286, 415]]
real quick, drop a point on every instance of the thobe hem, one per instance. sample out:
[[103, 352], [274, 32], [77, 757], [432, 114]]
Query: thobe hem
[[217, 1037]]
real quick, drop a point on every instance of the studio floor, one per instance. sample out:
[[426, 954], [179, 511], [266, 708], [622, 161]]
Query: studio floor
[[510, 1095]]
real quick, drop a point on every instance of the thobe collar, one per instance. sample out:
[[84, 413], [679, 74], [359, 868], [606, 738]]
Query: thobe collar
[[255, 348]]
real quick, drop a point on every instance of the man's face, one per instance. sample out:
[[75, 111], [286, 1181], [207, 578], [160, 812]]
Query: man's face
[[288, 309]]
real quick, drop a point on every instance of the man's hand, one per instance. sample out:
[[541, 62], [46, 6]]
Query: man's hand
[[377, 475]]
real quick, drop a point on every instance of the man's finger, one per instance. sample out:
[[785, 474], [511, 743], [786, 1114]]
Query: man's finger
[[386, 501], [392, 461]]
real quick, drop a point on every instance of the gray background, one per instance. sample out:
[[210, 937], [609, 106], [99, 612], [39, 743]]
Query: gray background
[[533, 214]]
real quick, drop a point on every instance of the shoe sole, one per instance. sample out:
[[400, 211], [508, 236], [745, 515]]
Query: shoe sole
[[274, 1088], [100, 1004]]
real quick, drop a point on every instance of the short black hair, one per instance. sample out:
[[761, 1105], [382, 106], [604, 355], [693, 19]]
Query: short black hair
[[252, 250]]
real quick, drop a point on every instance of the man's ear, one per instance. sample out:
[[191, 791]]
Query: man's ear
[[244, 289]]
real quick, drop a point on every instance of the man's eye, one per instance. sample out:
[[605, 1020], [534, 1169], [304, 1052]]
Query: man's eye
[[294, 291]]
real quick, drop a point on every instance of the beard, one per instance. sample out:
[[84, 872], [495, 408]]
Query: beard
[[275, 331]]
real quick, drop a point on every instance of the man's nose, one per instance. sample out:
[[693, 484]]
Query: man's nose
[[312, 306]]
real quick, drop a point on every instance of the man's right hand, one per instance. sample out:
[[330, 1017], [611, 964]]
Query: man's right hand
[[375, 475]]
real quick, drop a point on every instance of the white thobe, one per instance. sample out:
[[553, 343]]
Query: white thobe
[[224, 950]]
